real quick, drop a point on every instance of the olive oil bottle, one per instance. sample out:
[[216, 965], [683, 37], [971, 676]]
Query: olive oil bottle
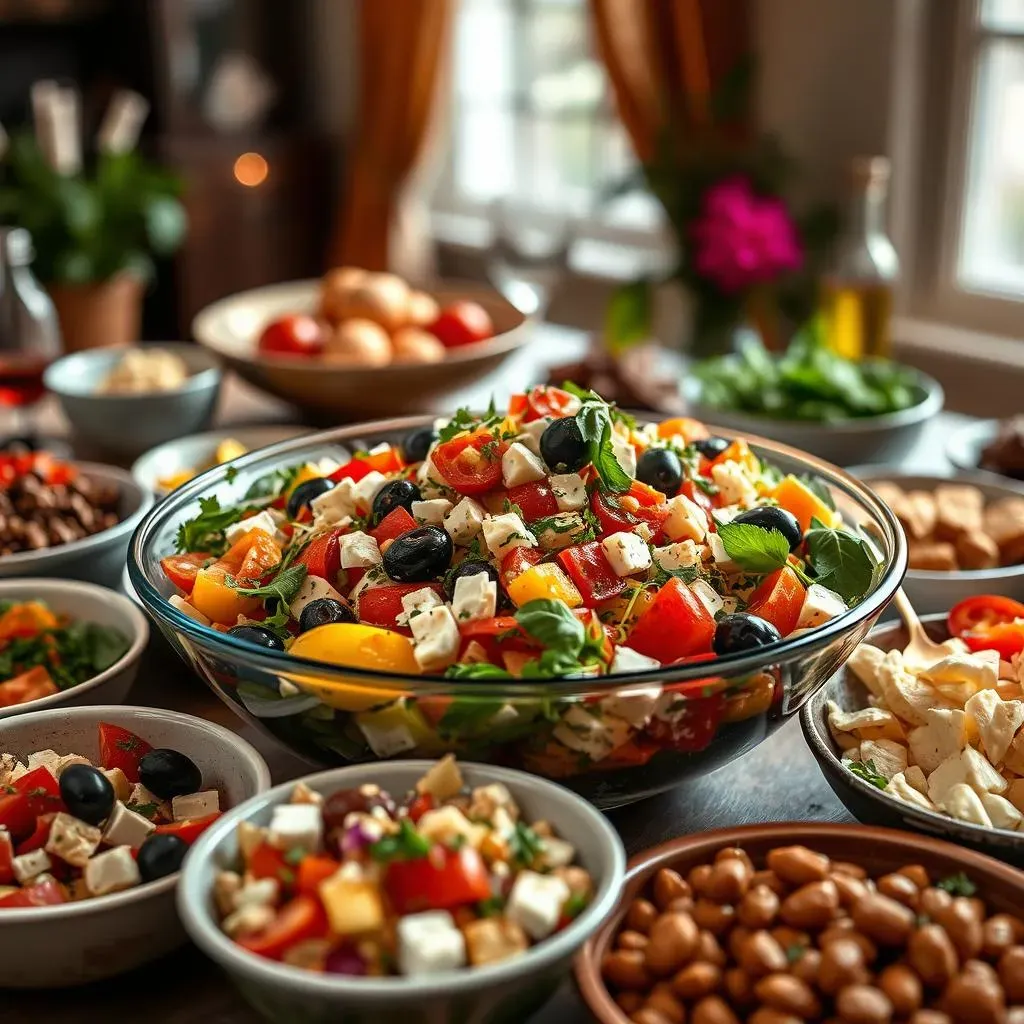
[[857, 293]]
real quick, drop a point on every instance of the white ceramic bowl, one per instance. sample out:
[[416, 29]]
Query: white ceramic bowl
[[74, 943], [508, 991], [232, 326], [88, 603]]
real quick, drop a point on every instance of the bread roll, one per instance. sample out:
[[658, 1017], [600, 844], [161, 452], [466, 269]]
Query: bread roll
[[423, 309], [358, 343], [336, 289], [412, 345]]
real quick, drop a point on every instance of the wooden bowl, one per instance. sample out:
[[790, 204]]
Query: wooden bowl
[[232, 326], [879, 850]]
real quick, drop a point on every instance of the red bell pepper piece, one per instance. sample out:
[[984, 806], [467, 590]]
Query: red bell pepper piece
[[517, 404], [189, 829], [354, 470], [517, 561], [40, 834], [535, 500], [381, 606], [16, 815], [121, 748], [322, 556], [778, 600], [588, 567], [6, 857], [675, 625], [613, 518], [43, 894], [443, 879], [421, 804], [394, 524], [42, 789], [989, 622], [298, 920]]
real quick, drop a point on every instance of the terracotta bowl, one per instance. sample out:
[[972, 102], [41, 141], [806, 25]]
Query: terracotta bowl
[[879, 850]]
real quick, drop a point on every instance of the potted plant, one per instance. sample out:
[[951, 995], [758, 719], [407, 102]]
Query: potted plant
[[95, 228]]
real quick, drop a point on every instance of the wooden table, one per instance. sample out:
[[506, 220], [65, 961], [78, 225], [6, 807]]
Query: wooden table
[[778, 781]]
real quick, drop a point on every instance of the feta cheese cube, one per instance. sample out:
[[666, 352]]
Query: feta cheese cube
[[416, 602], [431, 512], [387, 736], [464, 521], [436, 637], [335, 507], [708, 596], [448, 824], [560, 530], [430, 481], [312, 589], [366, 490], [535, 903], [490, 940], [530, 433], [375, 577], [358, 551], [260, 892], [296, 825], [557, 853], [520, 466], [625, 455], [44, 759], [475, 597], [719, 555], [628, 660], [126, 828], [486, 801], [353, 905], [70, 759], [111, 871], [569, 490], [505, 532], [590, 732], [261, 521], [28, 865], [679, 555], [735, 487], [820, 605], [195, 805], [118, 779], [142, 797], [686, 520], [247, 921], [429, 943], [183, 606], [627, 553]]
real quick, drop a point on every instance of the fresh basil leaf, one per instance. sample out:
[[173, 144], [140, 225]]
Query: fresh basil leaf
[[469, 715], [841, 562], [478, 670], [867, 771], [273, 484], [284, 586], [553, 624], [595, 423], [754, 548]]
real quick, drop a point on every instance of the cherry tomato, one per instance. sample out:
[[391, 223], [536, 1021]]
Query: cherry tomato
[[38, 838], [298, 335], [300, 919], [181, 570], [588, 567], [989, 622], [462, 323], [778, 600], [16, 815], [6, 858], [394, 524], [517, 561], [536, 500], [613, 518], [675, 625], [381, 606], [546, 401], [421, 804], [470, 464], [121, 748], [444, 879]]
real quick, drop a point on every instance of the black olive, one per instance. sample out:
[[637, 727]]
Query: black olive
[[87, 792], [562, 446], [417, 443], [394, 494], [259, 636], [661, 469], [343, 802], [160, 855], [470, 567], [322, 612], [169, 773], [743, 632], [712, 447], [771, 517], [419, 555], [304, 494]]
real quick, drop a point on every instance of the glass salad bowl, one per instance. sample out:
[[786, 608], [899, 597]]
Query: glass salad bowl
[[708, 713]]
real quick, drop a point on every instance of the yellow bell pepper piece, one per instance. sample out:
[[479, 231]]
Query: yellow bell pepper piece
[[307, 472], [229, 449], [545, 580], [796, 497], [175, 480], [216, 600]]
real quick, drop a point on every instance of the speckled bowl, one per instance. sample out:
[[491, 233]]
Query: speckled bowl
[[74, 943]]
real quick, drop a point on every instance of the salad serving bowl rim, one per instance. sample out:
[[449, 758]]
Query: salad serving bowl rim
[[729, 665], [199, 921]]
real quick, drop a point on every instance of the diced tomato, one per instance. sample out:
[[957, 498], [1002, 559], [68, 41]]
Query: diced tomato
[[517, 561], [588, 567], [389, 461], [181, 569], [26, 620], [312, 871], [421, 804], [546, 401], [517, 404], [121, 748], [535, 500], [394, 524], [470, 464], [701, 498], [353, 470], [645, 494], [30, 685], [633, 753], [42, 789], [381, 606], [613, 518], [268, 862], [189, 829], [693, 729], [779, 599], [445, 879], [6, 857], [43, 894], [322, 556], [989, 622], [263, 555], [298, 920], [39, 835], [675, 625], [16, 815]]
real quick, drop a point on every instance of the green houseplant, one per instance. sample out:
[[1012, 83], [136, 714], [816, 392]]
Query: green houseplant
[[96, 232]]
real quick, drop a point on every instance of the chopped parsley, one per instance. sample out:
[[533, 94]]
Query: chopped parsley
[[406, 844], [575, 905], [464, 420], [958, 885], [867, 771], [525, 845], [205, 532], [490, 907]]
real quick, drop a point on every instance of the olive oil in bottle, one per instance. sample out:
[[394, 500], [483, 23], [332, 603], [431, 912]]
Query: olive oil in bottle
[[857, 293]]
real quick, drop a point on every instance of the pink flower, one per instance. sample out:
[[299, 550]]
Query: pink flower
[[741, 239]]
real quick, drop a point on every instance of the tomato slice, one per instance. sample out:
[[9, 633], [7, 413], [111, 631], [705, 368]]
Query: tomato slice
[[675, 625], [394, 524], [298, 920], [121, 748], [535, 500], [354, 469], [693, 729], [322, 557], [779, 600], [6, 858], [546, 401], [181, 569], [42, 789], [189, 829], [588, 567], [422, 803], [989, 622], [443, 879], [16, 815], [39, 835], [381, 606], [470, 464], [42, 894], [613, 518]]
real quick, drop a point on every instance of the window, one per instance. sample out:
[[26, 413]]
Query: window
[[533, 126]]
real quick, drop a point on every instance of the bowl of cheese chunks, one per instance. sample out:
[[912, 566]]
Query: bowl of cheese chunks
[[965, 535]]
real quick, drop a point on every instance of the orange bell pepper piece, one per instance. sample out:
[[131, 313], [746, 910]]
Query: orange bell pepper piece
[[30, 685], [26, 620], [684, 426]]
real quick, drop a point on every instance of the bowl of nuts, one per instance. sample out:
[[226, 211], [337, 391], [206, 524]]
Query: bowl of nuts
[[70, 520], [807, 922]]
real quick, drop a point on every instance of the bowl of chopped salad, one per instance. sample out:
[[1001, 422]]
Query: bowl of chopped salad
[[553, 586], [68, 643], [416, 892]]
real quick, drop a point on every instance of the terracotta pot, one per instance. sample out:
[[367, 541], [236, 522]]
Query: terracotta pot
[[99, 315]]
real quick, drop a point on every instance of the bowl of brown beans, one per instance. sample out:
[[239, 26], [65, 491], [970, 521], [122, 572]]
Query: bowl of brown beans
[[797, 922]]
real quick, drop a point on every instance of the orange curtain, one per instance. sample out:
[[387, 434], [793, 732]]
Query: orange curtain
[[403, 45], [664, 59]]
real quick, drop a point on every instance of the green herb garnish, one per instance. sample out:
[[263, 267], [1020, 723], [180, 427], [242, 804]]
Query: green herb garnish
[[575, 905], [569, 646], [958, 885], [754, 548], [490, 907], [525, 845], [284, 587], [71, 654], [464, 420], [406, 844], [595, 422], [842, 562], [867, 771], [273, 484], [206, 531]]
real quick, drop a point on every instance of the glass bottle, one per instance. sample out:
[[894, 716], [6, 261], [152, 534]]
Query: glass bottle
[[857, 294]]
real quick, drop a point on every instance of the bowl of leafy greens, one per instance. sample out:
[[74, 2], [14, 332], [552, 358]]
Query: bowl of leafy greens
[[66, 643], [811, 398]]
